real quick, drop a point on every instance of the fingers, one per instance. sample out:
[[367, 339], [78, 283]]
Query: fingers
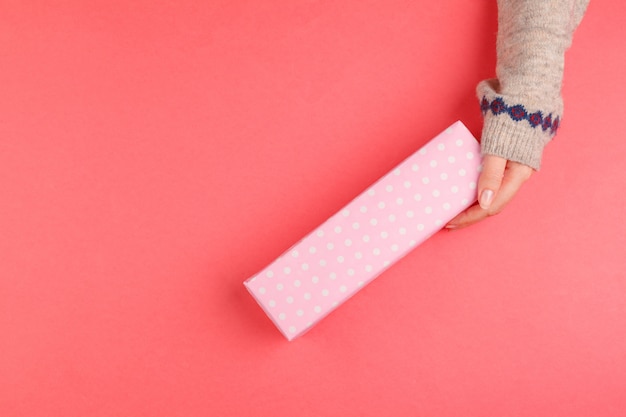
[[515, 176], [490, 180], [512, 179], [489, 183]]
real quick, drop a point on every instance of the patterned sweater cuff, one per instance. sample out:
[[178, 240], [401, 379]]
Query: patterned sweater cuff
[[515, 132]]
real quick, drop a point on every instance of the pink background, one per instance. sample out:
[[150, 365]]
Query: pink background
[[155, 154]]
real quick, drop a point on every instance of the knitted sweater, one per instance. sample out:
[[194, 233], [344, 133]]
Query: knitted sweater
[[523, 107]]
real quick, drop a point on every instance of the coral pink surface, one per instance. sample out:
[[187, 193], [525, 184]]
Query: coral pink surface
[[155, 154]]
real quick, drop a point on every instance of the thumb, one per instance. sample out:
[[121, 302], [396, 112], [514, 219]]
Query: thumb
[[490, 179]]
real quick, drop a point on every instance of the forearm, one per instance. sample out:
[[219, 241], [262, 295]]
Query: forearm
[[523, 105]]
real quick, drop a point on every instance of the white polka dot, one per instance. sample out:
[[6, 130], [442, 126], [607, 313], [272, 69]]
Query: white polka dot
[[320, 233], [294, 253], [307, 295], [428, 210], [363, 209], [297, 283], [407, 184], [292, 329], [433, 163], [305, 266], [464, 201], [355, 225], [325, 292], [315, 279], [425, 180], [422, 151], [399, 201], [417, 197], [395, 247], [415, 167], [420, 227], [454, 189], [436, 193], [384, 235], [289, 300], [412, 243], [396, 172], [272, 303], [389, 188], [462, 172], [287, 270], [441, 147], [459, 142], [443, 176], [312, 249], [317, 309], [360, 283], [472, 185], [350, 272], [348, 242], [343, 288], [280, 286], [358, 255], [438, 222], [381, 205], [282, 316], [386, 263], [469, 155], [371, 192], [338, 229], [330, 246], [262, 290], [392, 218], [446, 206], [366, 238], [332, 276], [340, 259], [373, 222], [345, 212], [376, 251], [300, 313], [410, 214], [369, 268], [451, 159], [269, 274], [402, 231]]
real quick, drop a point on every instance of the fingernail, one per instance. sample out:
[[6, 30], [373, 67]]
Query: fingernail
[[451, 226], [485, 199]]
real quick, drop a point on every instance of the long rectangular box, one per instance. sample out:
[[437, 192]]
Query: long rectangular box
[[380, 226]]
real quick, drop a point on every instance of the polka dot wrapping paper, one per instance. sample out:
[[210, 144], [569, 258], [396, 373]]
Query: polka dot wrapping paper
[[376, 229]]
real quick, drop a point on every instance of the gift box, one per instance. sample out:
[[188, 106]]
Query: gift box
[[376, 229]]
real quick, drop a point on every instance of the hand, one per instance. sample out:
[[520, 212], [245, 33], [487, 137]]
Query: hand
[[498, 183]]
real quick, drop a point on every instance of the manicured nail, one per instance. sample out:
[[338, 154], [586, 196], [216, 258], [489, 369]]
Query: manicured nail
[[451, 226], [485, 199]]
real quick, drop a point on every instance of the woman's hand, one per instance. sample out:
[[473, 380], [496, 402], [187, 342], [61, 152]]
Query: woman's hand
[[498, 183]]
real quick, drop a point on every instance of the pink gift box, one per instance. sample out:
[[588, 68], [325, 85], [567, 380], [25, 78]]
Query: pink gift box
[[376, 229]]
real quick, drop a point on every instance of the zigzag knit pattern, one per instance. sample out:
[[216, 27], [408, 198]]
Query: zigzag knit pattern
[[518, 113]]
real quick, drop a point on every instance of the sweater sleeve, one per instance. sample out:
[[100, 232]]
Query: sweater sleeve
[[522, 106]]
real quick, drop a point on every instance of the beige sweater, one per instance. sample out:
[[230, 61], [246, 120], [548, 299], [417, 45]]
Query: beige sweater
[[523, 107]]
